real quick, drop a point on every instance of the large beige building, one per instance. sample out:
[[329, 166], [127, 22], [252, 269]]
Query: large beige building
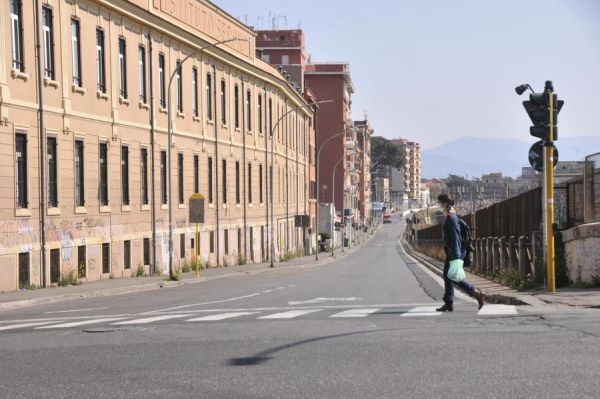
[[92, 134]]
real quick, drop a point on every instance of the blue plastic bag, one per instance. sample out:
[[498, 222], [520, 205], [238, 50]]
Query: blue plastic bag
[[456, 272]]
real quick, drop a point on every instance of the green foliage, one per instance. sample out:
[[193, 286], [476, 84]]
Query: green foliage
[[384, 154], [241, 260], [139, 272], [176, 276], [186, 267], [287, 256], [68, 279], [593, 283], [81, 270], [29, 286]]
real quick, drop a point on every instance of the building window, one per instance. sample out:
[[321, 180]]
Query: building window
[[223, 103], [226, 241], [209, 104], [212, 242], [146, 251], [196, 174], [103, 156], [179, 77], [161, 80], [260, 183], [236, 106], [249, 183], [106, 258], [21, 170], [144, 175], [79, 174], [100, 69], [224, 180], [237, 183], [195, 91], [76, 51], [52, 173], [125, 174], [182, 246], [48, 43], [16, 24], [210, 180], [239, 242], [163, 177], [24, 269], [249, 110], [260, 114], [142, 72], [180, 177], [81, 261], [127, 254], [285, 59], [122, 68]]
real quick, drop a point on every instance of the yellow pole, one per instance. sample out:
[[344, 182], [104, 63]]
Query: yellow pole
[[197, 251], [549, 149]]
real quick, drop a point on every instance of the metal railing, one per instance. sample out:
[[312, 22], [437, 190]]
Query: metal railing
[[591, 188]]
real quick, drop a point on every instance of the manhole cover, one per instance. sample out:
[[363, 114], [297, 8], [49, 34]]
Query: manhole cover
[[108, 329]]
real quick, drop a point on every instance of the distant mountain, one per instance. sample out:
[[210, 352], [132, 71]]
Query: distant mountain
[[474, 156]]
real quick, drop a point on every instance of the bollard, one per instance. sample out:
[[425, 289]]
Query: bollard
[[483, 248]]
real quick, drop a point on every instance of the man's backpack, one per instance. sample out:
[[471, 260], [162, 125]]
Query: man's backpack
[[466, 241]]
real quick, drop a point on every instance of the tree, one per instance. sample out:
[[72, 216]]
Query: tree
[[384, 154]]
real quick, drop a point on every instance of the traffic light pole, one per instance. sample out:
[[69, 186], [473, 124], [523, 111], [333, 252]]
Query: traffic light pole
[[549, 202]]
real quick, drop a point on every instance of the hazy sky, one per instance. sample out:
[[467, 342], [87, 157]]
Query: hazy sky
[[437, 70]]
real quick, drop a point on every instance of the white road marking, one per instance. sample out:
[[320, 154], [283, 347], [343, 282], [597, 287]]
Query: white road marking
[[320, 299], [24, 325], [280, 288], [147, 320], [203, 303], [363, 312], [292, 285], [222, 316], [265, 291], [80, 323], [73, 310], [488, 310], [290, 314], [422, 311]]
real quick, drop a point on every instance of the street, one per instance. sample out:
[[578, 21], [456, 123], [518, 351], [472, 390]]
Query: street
[[362, 326]]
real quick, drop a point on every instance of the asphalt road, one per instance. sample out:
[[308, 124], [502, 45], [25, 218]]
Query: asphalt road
[[359, 327]]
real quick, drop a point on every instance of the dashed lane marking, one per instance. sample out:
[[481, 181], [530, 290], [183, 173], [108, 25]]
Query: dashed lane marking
[[222, 316], [495, 310], [363, 312], [147, 320], [422, 311], [24, 325], [80, 323], [290, 314]]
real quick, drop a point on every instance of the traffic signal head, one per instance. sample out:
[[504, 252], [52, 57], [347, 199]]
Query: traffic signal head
[[544, 122]]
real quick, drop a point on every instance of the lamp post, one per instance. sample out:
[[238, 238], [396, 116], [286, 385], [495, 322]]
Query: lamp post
[[271, 169], [318, 187], [170, 135], [333, 202]]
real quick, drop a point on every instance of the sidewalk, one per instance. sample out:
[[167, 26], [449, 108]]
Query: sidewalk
[[497, 293], [126, 285]]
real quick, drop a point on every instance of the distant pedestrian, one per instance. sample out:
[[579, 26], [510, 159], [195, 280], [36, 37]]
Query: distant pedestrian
[[454, 250]]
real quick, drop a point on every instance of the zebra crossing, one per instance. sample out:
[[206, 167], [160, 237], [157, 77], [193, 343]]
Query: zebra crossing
[[243, 315]]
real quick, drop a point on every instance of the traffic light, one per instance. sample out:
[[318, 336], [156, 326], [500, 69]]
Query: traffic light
[[538, 108]]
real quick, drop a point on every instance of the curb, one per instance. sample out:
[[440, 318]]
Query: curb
[[11, 305], [496, 298]]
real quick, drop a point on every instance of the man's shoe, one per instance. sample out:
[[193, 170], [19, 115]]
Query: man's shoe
[[479, 296], [447, 307]]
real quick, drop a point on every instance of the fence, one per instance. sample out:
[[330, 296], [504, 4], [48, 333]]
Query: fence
[[507, 234]]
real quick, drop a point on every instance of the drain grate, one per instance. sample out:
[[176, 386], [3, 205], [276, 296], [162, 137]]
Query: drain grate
[[109, 329]]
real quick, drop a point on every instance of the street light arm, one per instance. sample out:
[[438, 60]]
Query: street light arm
[[295, 109]]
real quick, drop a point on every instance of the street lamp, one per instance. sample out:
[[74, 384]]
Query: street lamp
[[318, 187], [272, 164], [170, 135], [333, 201]]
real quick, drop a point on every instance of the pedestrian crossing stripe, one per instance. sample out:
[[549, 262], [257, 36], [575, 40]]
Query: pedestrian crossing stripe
[[418, 311]]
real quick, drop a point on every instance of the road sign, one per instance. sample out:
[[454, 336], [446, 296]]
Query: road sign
[[196, 208], [536, 156]]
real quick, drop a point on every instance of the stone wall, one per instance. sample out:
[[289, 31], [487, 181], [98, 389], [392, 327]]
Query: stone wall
[[582, 250]]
